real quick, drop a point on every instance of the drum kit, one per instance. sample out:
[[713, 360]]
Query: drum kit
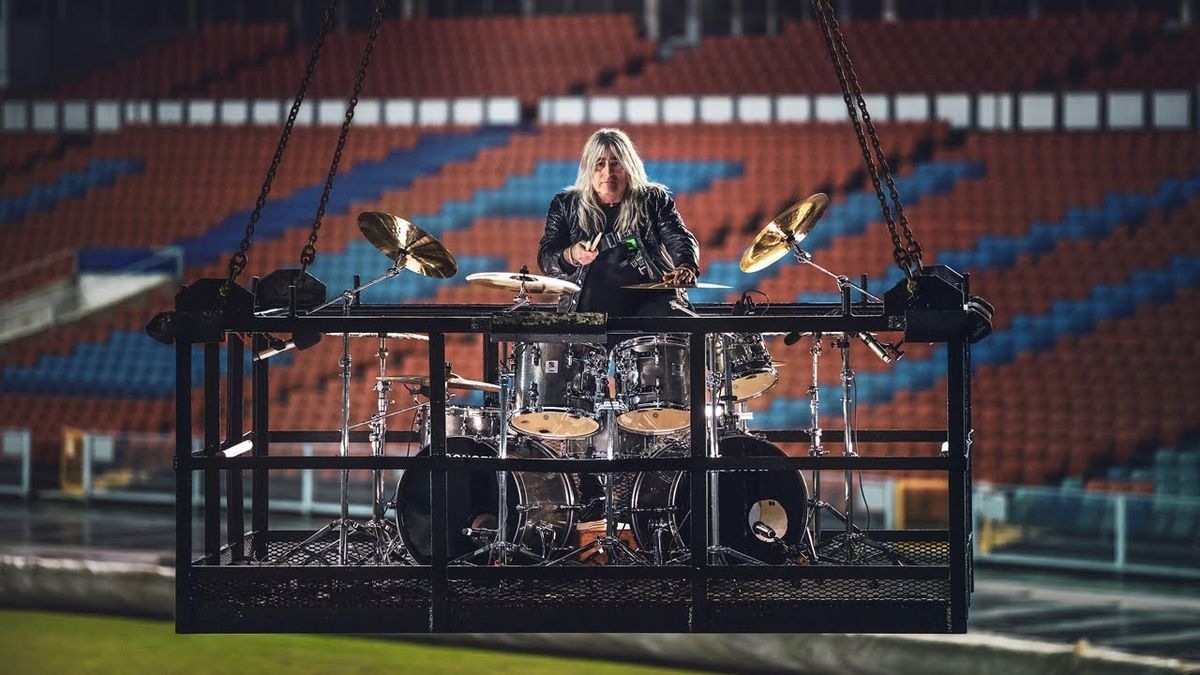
[[563, 400]]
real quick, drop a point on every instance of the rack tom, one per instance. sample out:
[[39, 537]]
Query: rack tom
[[555, 389]]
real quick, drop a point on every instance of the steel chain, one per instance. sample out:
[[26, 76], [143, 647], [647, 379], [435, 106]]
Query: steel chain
[[309, 253], [856, 107], [912, 247], [237, 262]]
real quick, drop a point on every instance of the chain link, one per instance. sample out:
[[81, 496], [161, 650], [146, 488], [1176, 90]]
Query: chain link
[[309, 253], [912, 248], [907, 257], [237, 262]]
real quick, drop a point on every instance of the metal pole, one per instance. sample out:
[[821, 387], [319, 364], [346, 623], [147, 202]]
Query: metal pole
[[344, 447], [814, 448], [848, 430], [502, 476]]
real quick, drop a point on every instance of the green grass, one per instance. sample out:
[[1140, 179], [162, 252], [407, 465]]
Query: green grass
[[47, 642]]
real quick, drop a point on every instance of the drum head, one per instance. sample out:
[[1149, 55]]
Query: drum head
[[472, 498], [755, 384], [655, 421], [752, 504], [555, 425]]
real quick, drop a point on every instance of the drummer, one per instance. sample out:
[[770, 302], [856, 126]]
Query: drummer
[[614, 228]]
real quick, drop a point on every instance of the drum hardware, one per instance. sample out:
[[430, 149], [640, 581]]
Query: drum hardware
[[609, 543], [523, 283], [409, 247], [663, 285]]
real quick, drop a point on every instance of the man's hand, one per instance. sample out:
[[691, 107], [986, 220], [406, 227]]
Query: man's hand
[[680, 277], [580, 253]]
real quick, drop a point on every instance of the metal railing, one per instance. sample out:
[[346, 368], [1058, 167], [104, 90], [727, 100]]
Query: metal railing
[[15, 464]]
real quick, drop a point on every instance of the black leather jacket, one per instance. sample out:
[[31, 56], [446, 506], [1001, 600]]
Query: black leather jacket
[[667, 242]]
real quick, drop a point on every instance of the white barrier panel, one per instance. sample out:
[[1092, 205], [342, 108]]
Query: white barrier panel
[[331, 112], [793, 108], [1081, 110], [107, 116], [604, 110], [368, 112], [829, 108], [567, 110], [679, 110], [45, 116], [169, 112], [1126, 110], [641, 110], [467, 112], [139, 112], [716, 109], [1037, 112], [266, 111], [911, 107], [433, 112], [76, 116], [1171, 110], [399, 111], [994, 111], [235, 112], [202, 112], [503, 111], [14, 116], [754, 109], [954, 108]]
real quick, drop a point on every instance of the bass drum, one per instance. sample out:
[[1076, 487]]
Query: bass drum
[[659, 508], [541, 506]]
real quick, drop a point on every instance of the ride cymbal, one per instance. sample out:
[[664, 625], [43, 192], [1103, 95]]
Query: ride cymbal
[[397, 238], [453, 382], [772, 243], [513, 281], [662, 285]]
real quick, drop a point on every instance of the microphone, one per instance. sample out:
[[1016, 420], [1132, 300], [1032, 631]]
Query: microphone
[[792, 338], [763, 530], [275, 347], [875, 346]]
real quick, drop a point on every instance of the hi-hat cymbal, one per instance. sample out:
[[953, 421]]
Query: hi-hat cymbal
[[662, 285], [395, 336], [397, 238], [771, 243], [512, 281], [453, 382]]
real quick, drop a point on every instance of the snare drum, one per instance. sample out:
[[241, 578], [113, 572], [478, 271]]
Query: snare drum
[[555, 388], [746, 355], [653, 384], [471, 422]]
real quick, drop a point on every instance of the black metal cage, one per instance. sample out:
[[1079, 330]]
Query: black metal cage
[[227, 587]]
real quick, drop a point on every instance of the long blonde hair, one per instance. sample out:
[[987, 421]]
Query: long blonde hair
[[633, 205]]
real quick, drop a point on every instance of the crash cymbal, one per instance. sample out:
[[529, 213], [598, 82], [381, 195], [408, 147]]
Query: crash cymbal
[[659, 285], [397, 238], [452, 382], [512, 281], [771, 243]]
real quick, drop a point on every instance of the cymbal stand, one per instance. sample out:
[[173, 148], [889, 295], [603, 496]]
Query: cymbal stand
[[815, 449], [522, 297], [852, 546], [718, 553], [499, 550], [609, 542], [343, 525], [804, 257], [383, 532]]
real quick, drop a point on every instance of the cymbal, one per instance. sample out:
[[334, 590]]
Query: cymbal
[[453, 382], [395, 336], [397, 238], [512, 281], [771, 243], [661, 285]]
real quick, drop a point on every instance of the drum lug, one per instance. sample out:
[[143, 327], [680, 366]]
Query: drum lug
[[533, 395]]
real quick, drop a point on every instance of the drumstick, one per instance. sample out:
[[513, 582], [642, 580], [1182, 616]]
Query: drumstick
[[594, 243]]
